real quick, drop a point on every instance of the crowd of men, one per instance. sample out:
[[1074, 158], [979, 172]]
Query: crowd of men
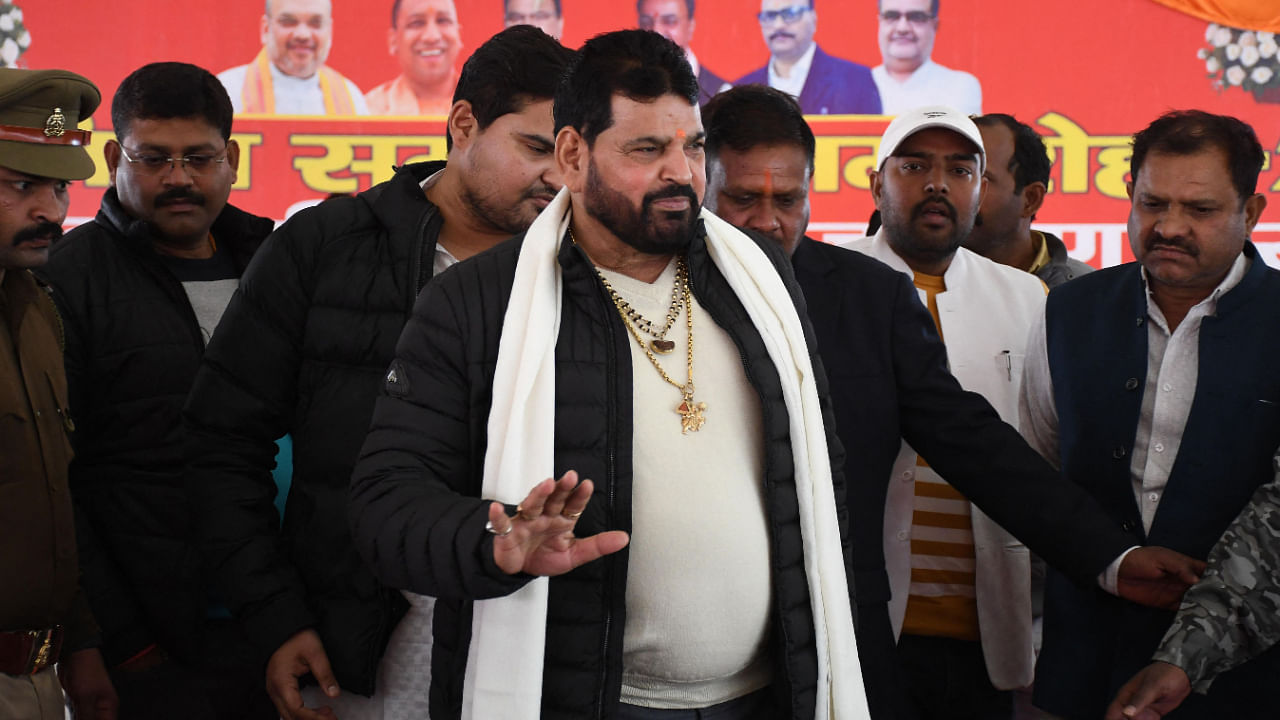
[[585, 426]]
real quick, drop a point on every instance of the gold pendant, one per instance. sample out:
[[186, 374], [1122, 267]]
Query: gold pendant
[[691, 418], [662, 347]]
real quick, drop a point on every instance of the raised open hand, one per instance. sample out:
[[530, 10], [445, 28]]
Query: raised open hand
[[539, 540]]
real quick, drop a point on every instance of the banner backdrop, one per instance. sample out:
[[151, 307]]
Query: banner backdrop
[[1085, 73]]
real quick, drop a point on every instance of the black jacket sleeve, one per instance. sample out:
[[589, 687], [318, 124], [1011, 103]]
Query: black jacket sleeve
[[241, 402], [103, 586], [964, 439], [415, 509]]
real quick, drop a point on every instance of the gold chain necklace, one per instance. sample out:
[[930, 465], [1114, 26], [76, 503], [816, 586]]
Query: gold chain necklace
[[691, 411], [659, 344]]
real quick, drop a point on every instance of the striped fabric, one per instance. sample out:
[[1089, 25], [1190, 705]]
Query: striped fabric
[[942, 599]]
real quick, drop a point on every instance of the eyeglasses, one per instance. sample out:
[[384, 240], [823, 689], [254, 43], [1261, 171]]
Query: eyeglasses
[[915, 17], [648, 22], [788, 15], [156, 164], [541, 16]]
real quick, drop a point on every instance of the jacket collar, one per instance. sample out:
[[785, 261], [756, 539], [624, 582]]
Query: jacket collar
[[236, 229], [954, 276]]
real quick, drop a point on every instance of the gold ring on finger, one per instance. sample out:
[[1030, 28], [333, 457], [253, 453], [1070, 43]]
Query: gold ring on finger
[[521, 514], [572, 516]]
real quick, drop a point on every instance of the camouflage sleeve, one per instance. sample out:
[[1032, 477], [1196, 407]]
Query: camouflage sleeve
[[1233, 614]]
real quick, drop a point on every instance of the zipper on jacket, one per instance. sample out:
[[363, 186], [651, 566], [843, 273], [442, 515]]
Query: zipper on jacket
[[611, 478], [420, 272]]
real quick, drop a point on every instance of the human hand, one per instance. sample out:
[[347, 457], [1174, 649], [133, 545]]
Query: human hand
[[301, 654], [539, 540], [89, 691], [1157, 576], [1156, 690]]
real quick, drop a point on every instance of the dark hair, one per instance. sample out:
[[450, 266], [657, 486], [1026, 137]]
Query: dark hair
[[748, 116], [1030, 160], [638, 64], [506, 4], [640, 6], [933, 6], [517, 66], [1185, 132], [166, 90]]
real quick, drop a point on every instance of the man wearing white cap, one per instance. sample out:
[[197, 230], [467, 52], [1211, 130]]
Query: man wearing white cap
[[960, 584]]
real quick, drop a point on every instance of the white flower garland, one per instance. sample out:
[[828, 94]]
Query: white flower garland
[[1247, 59]]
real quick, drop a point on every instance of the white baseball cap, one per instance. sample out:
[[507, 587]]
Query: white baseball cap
[[933, 116]]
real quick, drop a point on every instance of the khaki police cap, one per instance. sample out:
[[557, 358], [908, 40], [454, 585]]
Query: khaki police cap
[[39, 112]]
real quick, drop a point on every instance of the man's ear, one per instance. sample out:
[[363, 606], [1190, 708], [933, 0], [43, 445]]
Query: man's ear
[[877, 186], [462, 125], [1253, 208], [572, 158], [1032, 199], [233, 158], [111, 153]]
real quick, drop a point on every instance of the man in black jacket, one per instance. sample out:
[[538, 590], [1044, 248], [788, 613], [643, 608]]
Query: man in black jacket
[[301, 350], [705, 437], [140, 289], [889, 381]]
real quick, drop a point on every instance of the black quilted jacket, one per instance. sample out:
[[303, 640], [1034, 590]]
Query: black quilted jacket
[[418, 519], [302, 350], [133, 348]]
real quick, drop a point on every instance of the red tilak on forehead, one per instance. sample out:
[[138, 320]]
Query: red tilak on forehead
[[680, 134], [768, 181]]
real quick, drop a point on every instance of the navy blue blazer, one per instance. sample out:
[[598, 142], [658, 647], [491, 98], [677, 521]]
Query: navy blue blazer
[[889, 380], [1096, 332], [834, 87]]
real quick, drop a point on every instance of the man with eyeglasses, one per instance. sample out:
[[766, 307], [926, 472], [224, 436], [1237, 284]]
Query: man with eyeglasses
[[425, 40], [542, 14], [289, 75], [908, 78], [823, 84], [673, 19], [141, 288]]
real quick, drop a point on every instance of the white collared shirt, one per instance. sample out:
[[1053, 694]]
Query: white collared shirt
[[793, 85], [443, 259]]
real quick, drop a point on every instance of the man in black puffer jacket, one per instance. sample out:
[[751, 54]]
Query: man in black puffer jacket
[[302, 349], [710, 608], [141, 288]]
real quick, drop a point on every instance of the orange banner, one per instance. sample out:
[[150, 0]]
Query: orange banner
[[1086, 74]]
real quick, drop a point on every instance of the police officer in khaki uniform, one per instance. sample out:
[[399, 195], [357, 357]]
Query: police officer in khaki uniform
[[43, 616]]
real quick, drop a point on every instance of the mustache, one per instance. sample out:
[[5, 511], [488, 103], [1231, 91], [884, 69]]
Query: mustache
[[934, 203], [179, 194], [545, 192], [40, 231], [675, 191], [781, 34], [1177, 242]]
